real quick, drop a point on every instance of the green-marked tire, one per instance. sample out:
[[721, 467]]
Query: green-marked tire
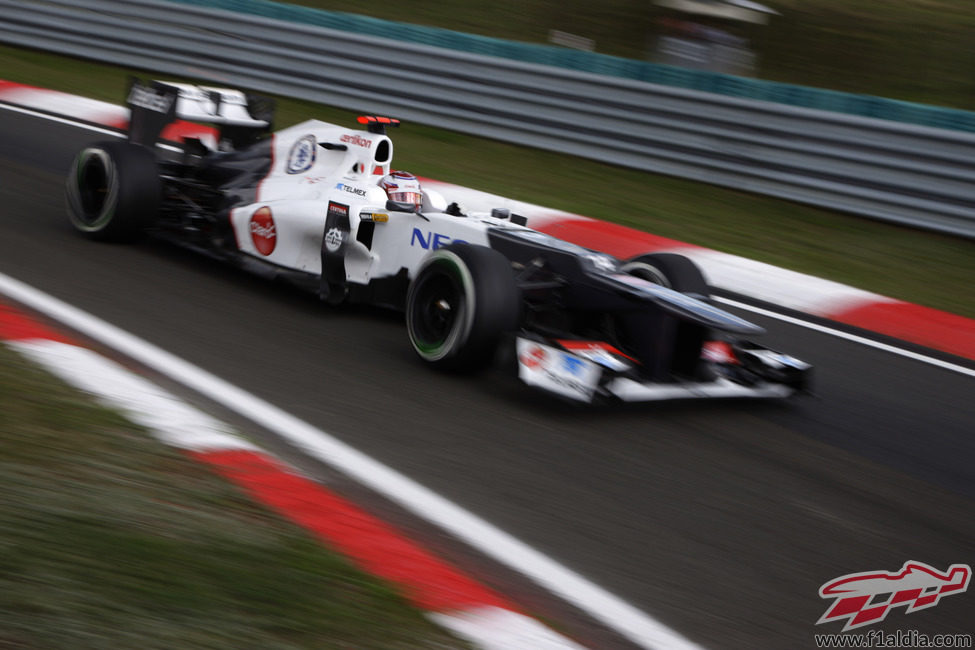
[[113, 191], [462, 300]]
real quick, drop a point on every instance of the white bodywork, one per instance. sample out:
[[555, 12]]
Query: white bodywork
[[578, 376], [319, 210], [286, 225], [197, 104]]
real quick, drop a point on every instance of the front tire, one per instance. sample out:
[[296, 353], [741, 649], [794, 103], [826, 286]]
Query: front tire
[[113, 191], [666, 346], [670, 270], [462, 301]]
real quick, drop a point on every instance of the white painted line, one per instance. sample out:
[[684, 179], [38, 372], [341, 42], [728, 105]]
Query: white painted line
[[493, 628], [61, 103], [166, 416], [60, 120], [946, 365], [624, 618], [75, 123]]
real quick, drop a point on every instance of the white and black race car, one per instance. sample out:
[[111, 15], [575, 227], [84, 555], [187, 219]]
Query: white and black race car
[[305, 204]]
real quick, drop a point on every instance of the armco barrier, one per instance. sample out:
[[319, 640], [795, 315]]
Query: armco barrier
[[603, 64], [886, 170]]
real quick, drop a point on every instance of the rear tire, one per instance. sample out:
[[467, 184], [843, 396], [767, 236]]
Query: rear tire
[[113, 191], [669, 270], [462, 301]]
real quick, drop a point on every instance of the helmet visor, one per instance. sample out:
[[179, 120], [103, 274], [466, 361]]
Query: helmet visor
[[414, 198]]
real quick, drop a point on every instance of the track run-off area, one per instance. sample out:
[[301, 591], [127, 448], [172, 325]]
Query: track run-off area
[[719, 520]]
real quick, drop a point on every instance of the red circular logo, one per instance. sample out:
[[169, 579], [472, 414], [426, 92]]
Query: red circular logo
[[263, 233], [533, 357]]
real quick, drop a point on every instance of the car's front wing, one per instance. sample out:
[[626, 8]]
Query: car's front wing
[[588, 371]]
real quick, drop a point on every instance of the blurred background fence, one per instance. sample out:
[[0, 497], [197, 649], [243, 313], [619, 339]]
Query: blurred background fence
[[750, 135]]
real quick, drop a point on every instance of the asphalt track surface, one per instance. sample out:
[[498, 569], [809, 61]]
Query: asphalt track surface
[[719, 519]]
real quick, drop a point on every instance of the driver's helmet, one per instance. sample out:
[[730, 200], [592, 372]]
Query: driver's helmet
[[402, 187]]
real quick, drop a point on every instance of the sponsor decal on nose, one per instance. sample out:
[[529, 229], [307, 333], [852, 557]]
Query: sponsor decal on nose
[[534, 357]]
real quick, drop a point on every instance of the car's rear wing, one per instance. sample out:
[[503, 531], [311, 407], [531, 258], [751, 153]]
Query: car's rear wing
[[240, 118]]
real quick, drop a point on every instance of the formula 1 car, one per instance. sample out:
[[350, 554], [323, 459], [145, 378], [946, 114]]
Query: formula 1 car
[[305, 205]]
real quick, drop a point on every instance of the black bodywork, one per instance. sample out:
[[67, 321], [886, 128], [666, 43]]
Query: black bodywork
[[199, 185], [569, 292]]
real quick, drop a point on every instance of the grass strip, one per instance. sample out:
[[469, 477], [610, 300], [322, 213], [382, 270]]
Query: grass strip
[[109, 539], [917, 266]]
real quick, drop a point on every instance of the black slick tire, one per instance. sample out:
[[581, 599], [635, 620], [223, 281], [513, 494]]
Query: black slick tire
[[666, 346], [113, 191], [462, 300], [670, 270]]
